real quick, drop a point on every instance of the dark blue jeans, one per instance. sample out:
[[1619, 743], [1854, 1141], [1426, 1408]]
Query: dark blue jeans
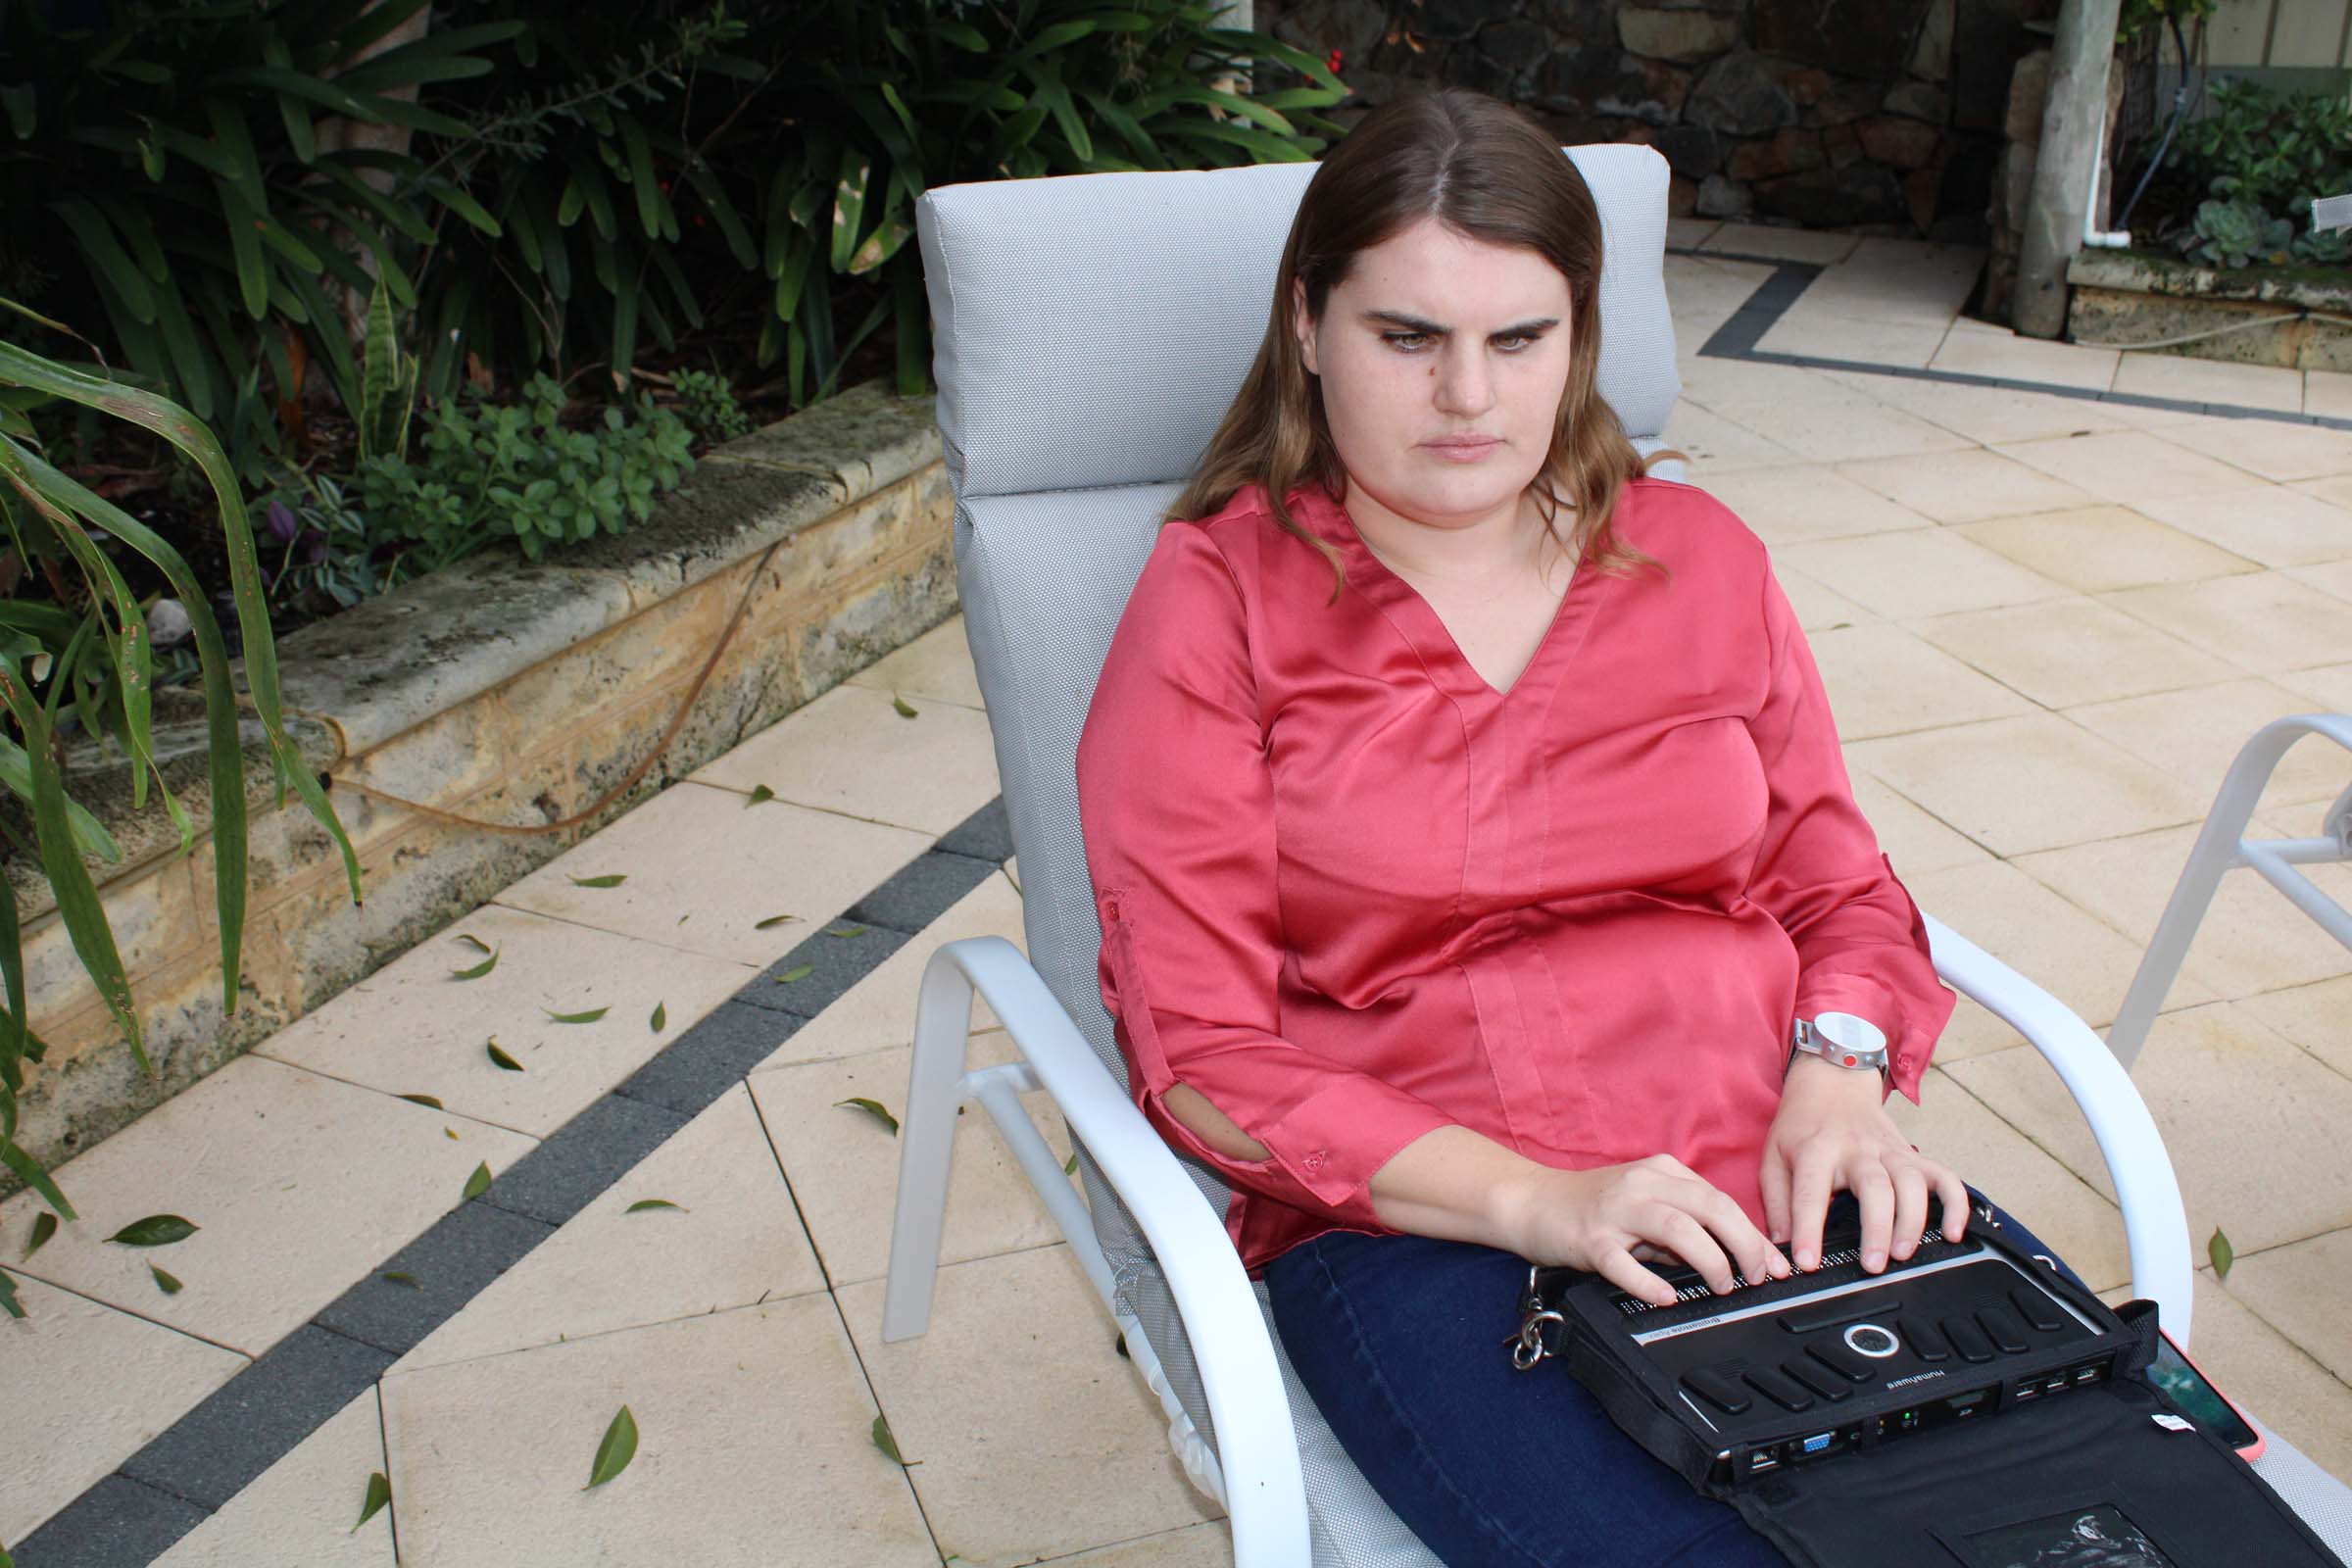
[[1400, 1339]]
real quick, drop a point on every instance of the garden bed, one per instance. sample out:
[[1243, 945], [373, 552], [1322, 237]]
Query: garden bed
[[499, 689], [2128, 297]]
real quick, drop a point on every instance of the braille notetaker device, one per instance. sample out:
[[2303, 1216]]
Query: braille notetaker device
[[1786, 1372]]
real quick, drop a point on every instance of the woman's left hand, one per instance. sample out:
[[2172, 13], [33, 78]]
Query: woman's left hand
[[1832, 1132]]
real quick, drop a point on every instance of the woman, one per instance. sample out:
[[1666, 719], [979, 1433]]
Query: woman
[[1469, 829]]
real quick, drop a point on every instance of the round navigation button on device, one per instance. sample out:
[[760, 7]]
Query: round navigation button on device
[[1869, 1339]]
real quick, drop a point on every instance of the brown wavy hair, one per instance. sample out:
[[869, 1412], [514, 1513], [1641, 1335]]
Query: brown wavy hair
[[1487, 171]]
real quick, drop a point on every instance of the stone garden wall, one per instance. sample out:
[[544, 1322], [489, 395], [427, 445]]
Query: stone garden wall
[[1880, 115]]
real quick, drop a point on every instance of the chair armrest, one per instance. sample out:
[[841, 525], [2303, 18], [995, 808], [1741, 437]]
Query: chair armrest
[[2155, 1224], [1265, 1494]]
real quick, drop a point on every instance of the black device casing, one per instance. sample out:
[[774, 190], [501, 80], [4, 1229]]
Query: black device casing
[[1946, 1496]]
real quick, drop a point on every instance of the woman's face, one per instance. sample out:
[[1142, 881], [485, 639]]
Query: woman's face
[[1443, 360]]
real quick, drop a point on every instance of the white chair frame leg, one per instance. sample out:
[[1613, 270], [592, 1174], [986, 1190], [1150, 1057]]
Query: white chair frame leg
[[1256, 1473], [2223, 846]]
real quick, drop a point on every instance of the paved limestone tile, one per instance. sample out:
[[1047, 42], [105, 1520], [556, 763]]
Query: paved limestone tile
[[2330, 687], [2335, 578], [2300, 1290], [1965, 486], [1684, 233], [2194, 735], [734, 1240], [2329, 393], [2023, 358], [1702, 295], [878, 1011], [1984, 414], [1809, 412], [2251, 939], [1716, 445], [2276, 1383], [2270, 525], [1902, 279], [2318, 1018], [1912, 839], [1824, 329], [2176, 376], [2264, 622], [2070, 651], [299, 1183], [2016, 785], [843, 1164], [2094, 549], [85, 1387], [705, 868], [1816, 607], [2272, 448], [409, 1028], [853, 752], [1953, 1126], [754, 1450], [1883, 680], [935, 666], [1821, 248], [2060, 948], [2254, 1126], [1902, 575], [1034, 1438], [1201, 1545], [2129, 466], [1791, 506], [299, 1512]]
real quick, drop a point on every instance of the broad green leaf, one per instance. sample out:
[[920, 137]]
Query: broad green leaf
[[613, 1453], [396, 1277], [1070, 1166], [589, 1017], [501, 1059], [661, 1017], [10, 1305], [169, 1284], [379, 1493], [426, 1100], [156, 1230], [611, 880], [2219, 1250], [478, 970], [44, 1226], [761, 793], [848, 208], [774, 920], [450, 1132], [851, 930], [479, 1181], [874, 1108], [888, 1445], [475, 941], [656, 1202], [905, 708], [799, 971]]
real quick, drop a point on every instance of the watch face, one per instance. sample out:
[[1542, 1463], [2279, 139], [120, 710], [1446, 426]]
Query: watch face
[[1849, 1032]]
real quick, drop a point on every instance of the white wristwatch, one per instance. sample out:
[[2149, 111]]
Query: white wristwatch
[[1841, 1037]]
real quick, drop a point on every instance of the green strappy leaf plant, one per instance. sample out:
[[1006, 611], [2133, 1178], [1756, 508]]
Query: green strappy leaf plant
[[100, 660]]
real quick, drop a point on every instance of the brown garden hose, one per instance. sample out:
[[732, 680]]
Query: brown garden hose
[[677, 721]]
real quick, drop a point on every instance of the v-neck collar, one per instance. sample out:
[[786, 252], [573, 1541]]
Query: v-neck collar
[[1421, 625]]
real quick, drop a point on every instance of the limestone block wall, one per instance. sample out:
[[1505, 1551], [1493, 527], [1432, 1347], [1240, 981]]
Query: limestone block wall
[[499, 690]]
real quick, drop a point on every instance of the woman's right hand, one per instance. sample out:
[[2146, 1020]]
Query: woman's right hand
[[1604, 1220]]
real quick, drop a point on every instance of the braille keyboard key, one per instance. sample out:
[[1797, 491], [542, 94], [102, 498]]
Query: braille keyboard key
[[2008, 1335], [1835, 1313], [1926, 1339], [1717, 1389], [1781, 1391], [1841, 1360], [1968, 1339], [2038, 1309], [1820, 1379]]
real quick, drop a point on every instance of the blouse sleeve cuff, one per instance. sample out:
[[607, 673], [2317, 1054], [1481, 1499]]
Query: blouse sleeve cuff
[[1336, 1140]]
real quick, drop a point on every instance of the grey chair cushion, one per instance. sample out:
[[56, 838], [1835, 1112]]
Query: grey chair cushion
[[1090, 331]]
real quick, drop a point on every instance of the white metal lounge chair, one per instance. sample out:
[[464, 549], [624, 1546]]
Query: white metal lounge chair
[[1089, 332]]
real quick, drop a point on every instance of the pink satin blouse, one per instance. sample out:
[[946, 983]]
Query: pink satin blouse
[[1352, 893]]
